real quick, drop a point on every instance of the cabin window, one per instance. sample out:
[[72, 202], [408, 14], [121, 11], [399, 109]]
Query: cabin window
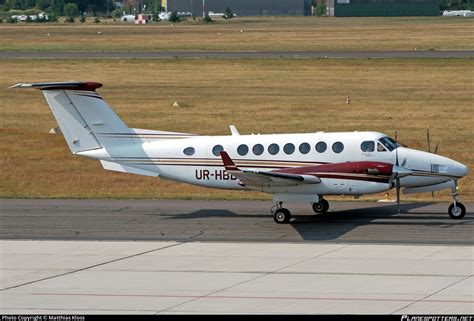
[[304, 148], [242, 150], [258, 149], [367, 146], [289, 148], [321, 147], [216, 150], [273, 149], [337, 147], [189, 151]]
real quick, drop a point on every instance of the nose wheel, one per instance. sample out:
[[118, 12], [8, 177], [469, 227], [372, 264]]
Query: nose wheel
[[280, 214], [456, 210]]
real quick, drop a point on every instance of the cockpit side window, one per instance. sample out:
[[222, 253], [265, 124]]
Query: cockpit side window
[[389, 143], [380, 148], [367, 146]]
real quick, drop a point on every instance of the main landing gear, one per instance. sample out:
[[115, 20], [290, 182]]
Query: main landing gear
[[456, 210], [280, 214], [321, 207]]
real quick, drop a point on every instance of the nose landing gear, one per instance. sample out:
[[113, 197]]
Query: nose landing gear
[[456, 210]]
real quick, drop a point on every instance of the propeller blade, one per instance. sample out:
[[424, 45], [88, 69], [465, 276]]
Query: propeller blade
[[436, 149], [396, 149], [432, 195], [398, 194], [428, 138]]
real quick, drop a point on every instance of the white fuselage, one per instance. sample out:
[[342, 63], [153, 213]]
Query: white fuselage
[[190, 159]]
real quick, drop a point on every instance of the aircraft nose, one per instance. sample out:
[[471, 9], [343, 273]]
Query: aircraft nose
[[459, 170], [463, 170]]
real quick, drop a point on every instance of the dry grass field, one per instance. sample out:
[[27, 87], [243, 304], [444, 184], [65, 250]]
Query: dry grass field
[[265, 96], [248, 34]]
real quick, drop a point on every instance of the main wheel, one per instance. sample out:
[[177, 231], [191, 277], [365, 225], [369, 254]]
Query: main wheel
[[321, 207], [457, 212], [282, 216]]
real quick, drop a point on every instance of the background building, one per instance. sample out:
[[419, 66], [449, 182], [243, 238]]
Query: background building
[[380, 8], [243, 7]]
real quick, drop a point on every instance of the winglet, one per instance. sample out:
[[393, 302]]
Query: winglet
[[228, 163]]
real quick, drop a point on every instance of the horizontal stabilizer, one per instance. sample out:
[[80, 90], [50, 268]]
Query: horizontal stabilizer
[[112, 166], [72, 85]]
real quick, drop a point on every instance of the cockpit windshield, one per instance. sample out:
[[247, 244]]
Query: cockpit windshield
[[389, 143]]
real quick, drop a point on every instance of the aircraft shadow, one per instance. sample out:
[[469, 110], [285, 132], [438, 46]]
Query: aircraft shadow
[[210, 213], [338, 223]]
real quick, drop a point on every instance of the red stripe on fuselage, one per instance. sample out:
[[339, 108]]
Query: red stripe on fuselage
[[343, 168]]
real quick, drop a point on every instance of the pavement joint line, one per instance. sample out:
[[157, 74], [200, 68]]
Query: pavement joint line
[[425, 298], [295, 273], [91, 267], [219, 297], [261, 275]]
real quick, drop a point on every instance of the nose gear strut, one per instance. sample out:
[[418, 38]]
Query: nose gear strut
[[456, 210]]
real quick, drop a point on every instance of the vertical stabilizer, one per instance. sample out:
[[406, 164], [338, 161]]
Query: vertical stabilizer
[[86, 120]]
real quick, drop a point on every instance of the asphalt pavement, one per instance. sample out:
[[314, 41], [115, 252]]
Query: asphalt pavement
[[230, 221]]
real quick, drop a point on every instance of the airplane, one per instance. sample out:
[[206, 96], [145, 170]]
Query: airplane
[[301, 167], [128, 18]]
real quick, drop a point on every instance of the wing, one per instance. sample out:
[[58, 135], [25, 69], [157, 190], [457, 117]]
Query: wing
[[258, 178]]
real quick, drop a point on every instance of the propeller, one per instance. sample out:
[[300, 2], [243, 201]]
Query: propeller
[[429, 151], [397, 179], [428, 139], [399, 171]]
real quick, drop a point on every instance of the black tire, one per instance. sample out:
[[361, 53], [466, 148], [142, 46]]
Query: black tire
[[458, 212], [322, 207], [282, 216]]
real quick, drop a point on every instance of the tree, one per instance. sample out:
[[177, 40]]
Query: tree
[[43, 4], [174, 17], [456, 5], [117, 13], [52, 17], [71, 10], [321, 8], [228, 14], [207, 19], [57, 7]]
